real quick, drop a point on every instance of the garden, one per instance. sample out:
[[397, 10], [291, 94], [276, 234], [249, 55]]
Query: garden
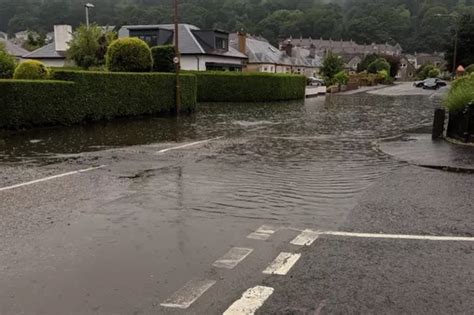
[[121, 78]]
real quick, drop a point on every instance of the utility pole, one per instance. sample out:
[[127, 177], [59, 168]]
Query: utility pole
[[88, 6], [177, 58], [457, 20]]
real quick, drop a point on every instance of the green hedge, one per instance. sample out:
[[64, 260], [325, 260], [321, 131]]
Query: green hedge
[[249, 87], [91, 96]]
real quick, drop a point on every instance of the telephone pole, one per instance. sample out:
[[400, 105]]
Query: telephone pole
[[177, 58]]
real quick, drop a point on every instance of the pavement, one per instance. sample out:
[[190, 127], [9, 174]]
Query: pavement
[[421, 150], [268, 209]]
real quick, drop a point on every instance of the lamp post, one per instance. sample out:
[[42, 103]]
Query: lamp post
[[177, 58], [454, 16], [88, 6]]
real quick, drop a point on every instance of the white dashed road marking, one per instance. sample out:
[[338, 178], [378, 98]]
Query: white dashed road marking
[[184, 297], [51, 177], [262, 233], [189, 145], [399, 236], [250, 302], [306, 238], [233, 257], [282, 264]]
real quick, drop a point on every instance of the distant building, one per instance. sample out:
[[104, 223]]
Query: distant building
[[200, 50], [15, 50], [264, 57], [436, 59], [3, 36], [341, 47], [54, 54], [407, 69]]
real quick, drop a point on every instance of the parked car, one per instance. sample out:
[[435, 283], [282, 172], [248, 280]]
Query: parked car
[[316, 82], [433, 83]]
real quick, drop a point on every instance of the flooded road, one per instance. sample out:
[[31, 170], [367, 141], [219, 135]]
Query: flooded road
[[122, 239]]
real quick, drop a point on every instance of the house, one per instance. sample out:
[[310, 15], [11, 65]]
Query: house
[[264, 57], [436, 59], [200, 50], [407, 70], [351, 61], [341, 47], [54, 54], [17, 51]]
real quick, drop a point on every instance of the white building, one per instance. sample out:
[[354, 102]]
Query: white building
[[200, 50], [54, 54]]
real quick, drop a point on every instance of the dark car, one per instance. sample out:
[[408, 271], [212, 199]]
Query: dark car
[[433, 84]]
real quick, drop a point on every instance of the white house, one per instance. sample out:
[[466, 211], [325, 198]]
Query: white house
[[200, 50], [54, 54], [15, 50]]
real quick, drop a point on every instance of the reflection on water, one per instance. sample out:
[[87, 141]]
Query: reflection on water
[[299, 163]]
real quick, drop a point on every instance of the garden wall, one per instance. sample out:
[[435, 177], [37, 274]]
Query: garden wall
[[249, 87], [78, 96]]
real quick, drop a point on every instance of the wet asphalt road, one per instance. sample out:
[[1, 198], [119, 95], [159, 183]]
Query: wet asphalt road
[[122, 239]]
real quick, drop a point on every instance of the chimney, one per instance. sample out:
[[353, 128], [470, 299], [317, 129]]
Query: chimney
[[242, 42], [62, 37], [288, 48], [312, 51]]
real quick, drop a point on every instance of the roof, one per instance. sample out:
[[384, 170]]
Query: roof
[[45, 52], [188, 43], [260, 51], [13, 49]]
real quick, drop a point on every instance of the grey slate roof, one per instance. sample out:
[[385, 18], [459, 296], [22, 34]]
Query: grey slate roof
[[260, 51], [188, 43], [13, 49], [45, 52]]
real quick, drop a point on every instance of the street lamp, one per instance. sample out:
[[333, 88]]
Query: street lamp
[[177, 58], [88, 6], [456, 38]]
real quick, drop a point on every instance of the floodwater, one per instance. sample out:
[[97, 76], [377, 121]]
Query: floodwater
[[122, 239], [281, 162]]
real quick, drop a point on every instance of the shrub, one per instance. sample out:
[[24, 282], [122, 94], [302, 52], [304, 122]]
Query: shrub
[[7, 64], [425, 71], [88, 46], [31, 70], [461, 94], [129, 55], [394, 63], [379, 65], [332, 65], [341, 78], [163, 58], [470, 69], [364, 65], [90, 96], [249, 87], [434, 73]]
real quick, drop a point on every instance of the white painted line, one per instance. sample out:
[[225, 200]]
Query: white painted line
[[51, 177], [233, 257], [306, 238], [189, 145], [250, 302], [187, 295], [400, 236], [262, 233], [282, 264]]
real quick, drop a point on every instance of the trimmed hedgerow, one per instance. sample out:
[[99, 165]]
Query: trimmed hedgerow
[[163, 58], [129, 55], [249, 87], [31, 70], [105, 94], [461, 94], [37, 102], [90, 96]]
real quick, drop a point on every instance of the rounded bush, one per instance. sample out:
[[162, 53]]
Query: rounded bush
[[129, 55], [379, 65], [31, 70], [470, 69]]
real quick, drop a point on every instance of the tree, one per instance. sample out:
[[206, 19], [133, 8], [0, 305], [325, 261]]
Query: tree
[[332, 65], [380, 64], [364, 64], [89, 45], [465, 55], [7, 63]]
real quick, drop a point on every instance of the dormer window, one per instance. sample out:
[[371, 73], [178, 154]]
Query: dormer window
[[221, 43]]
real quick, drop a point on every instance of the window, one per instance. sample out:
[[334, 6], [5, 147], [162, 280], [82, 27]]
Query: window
[[265, 69], [221, 43], [151, 40]]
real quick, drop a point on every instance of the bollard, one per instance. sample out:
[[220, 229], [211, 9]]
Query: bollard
[[438, 123]]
